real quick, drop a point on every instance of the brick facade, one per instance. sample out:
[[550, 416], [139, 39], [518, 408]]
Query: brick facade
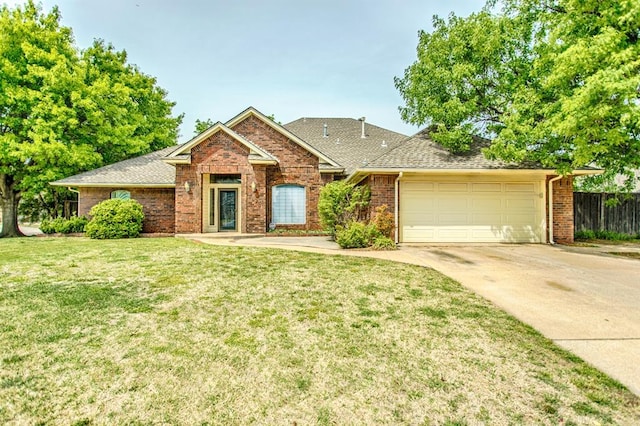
[[382, 192], [222, 154], [562, 210], [158, 205]]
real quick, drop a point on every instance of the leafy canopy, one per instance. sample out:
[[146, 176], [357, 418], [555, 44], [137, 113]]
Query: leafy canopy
[[551, 81], [63, 111]]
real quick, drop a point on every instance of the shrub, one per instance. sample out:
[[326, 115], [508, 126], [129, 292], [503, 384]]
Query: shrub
[[64, 226], [115, 218], [341, 203], [356, 235], [384, 243], [383, 220], [604, 235]]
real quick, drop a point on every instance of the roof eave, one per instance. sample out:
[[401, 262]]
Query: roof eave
[[177, 160], [113, 184], [393, 170]]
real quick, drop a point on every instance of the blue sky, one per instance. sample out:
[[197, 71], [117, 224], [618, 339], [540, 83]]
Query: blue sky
[[289, 58]]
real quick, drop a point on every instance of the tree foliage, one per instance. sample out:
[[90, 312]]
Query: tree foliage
[[202, 125], [63, 111], [556, 82]]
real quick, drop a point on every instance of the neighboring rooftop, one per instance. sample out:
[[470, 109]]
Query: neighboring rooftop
[[343, 140], [146, 170]]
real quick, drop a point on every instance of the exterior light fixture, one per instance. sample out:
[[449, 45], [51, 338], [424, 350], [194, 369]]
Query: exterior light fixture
[[187, 187], [253, 186]]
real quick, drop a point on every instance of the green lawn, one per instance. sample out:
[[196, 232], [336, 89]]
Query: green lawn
[[167, 331]]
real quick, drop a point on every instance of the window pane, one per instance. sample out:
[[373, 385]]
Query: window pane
[[121, 194], [224, 178], [289, 204]]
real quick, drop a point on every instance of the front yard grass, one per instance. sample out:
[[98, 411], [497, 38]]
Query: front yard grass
[[167, 331]]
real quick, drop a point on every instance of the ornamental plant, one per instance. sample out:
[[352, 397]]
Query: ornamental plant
[[115, 218]]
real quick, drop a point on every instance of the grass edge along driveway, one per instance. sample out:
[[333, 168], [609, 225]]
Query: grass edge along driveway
[[170, 331]]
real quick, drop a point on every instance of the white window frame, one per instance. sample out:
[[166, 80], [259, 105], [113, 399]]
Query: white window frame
[[288, 214]]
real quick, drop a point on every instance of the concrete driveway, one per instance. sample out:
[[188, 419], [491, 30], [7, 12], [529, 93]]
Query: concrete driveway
[[580, 297], [583, 299]]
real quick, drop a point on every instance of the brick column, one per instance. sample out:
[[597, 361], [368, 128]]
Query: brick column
[[563, 210]]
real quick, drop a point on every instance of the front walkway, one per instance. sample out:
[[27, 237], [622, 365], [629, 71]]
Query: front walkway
[[583, 298]]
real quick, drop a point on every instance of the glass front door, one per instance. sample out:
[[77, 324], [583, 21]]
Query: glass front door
[[228, 212]]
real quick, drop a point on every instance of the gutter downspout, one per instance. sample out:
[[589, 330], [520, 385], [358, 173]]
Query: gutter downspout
[[550, 201], [73, 190], [397, 228]]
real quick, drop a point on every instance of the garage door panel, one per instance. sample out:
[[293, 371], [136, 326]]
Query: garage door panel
[[485, 211], [487, 219], [452, 234], [452, 204], [486, 187], [521, 187], [453, 187], [420, 219], [527, 204], [489, 203], [459, 219]]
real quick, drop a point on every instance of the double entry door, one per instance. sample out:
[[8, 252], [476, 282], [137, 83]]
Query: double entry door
[[221, 208]]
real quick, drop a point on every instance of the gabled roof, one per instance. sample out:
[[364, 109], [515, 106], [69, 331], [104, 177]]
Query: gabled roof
[[251, 111], [344, 142], [182, 154], [146, 170]]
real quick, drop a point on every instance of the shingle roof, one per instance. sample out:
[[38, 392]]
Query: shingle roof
[[420, 152], [344, 143], [145, 170]]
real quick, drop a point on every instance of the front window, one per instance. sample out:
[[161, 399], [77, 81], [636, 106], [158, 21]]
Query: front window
[[289, 205], [121, 194]]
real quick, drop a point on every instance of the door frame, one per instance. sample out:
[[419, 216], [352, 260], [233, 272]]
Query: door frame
[[207, 189]]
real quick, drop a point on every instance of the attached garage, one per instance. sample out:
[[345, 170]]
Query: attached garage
[[472, 209]]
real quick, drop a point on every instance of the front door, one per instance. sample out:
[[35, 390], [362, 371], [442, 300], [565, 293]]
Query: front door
[[227, 208], [221, 207]]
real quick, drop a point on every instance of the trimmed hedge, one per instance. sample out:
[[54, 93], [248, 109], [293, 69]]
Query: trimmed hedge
[[61, 225], [115, 218]]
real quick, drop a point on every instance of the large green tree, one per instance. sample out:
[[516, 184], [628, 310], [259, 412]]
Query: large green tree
[[551, 81], [63, 111]]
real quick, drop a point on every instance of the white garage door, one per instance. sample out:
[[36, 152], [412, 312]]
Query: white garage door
[[471, 211]]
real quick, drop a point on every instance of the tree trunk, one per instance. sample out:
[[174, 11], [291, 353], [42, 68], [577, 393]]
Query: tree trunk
[[9, 201]]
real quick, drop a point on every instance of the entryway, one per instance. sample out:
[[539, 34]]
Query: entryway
[[221, 203]]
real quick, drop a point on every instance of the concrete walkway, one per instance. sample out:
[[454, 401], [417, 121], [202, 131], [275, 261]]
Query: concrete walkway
[[583, 298]]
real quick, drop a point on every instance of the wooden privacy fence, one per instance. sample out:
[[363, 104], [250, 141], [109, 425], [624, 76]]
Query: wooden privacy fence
[[591, 214]]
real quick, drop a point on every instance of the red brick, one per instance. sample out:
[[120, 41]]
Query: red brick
[[157, 203]]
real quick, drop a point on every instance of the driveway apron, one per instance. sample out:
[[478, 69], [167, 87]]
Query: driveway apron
[[586, 303]]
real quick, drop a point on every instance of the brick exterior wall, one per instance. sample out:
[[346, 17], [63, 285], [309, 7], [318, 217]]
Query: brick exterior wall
[[562, 210], [158, 205], [382, 192], [221, 154]]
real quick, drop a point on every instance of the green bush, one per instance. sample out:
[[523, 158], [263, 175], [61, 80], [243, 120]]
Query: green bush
[[115, 218], [64, 226], [384, 243], [356, 235], [604, 235], [341, 203]]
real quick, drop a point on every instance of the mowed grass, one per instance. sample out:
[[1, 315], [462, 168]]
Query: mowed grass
[[167, 331]]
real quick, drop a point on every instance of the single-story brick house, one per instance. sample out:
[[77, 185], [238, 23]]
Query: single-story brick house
[[252, 174]]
